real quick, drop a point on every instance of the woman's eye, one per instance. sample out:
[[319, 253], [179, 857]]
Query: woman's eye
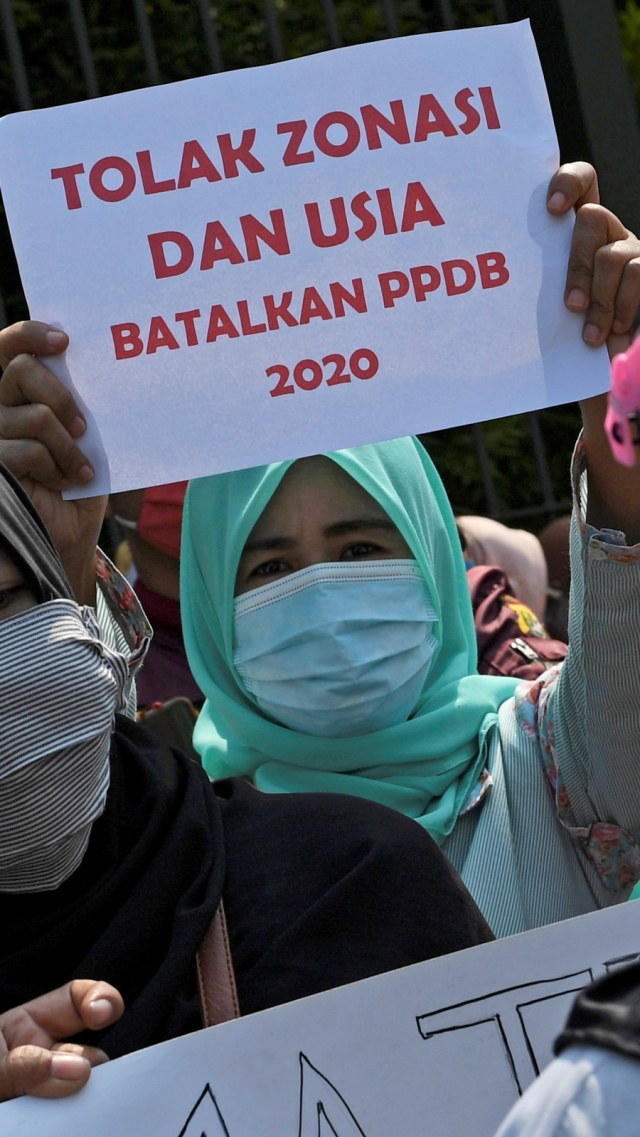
[[270, 568], [7, 595], [359, 549]]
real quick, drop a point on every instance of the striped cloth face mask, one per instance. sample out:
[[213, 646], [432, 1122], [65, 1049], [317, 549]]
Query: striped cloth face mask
[[60, 687]]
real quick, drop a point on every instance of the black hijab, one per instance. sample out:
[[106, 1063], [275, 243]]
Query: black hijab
[[136, 910]]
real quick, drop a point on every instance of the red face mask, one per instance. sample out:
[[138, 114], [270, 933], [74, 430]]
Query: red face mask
[[160, 519]]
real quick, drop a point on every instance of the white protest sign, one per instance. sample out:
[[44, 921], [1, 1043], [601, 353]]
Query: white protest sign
[[294, 258], [441, 1049]]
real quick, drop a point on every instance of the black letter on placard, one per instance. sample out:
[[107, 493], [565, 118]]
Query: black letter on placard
[[205, 1119]]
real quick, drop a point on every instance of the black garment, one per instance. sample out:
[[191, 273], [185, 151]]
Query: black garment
[[325, 889], [319, 890], [606, 1014], [138, 907]]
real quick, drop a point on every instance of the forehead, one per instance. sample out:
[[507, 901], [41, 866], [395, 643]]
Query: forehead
[[318, 486]]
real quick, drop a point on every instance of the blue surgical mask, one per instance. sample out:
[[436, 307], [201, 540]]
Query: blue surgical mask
[[337, 649]]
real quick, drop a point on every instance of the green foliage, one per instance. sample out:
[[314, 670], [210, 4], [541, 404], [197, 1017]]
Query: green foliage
[[512, 463], [630, 33], [53, 61]]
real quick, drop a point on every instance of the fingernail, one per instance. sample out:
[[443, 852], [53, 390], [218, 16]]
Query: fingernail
[[101, 1012], [619, 328], [591, 333], [577, 300], [68, 1067], [55, 339], [557, 201], [78, 427], [85, 473]]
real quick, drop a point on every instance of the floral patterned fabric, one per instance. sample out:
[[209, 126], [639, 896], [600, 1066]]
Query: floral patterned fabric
[[122, 621], [479, 792], [612, 851]]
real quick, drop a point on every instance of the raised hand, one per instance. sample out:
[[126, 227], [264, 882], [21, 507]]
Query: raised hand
[[40, 424]]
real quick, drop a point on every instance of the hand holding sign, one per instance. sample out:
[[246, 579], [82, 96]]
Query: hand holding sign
[[602, 286], [40, 425], [34, 1060]]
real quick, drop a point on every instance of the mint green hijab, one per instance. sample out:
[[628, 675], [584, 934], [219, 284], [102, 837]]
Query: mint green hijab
[[425, 767]]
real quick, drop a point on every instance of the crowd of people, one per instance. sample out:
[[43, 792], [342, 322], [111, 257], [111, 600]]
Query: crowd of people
[[358, 772]]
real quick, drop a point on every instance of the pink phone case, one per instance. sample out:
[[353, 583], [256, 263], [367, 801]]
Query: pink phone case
[[621, 422]]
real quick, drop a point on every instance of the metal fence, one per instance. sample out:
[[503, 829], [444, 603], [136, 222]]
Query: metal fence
[[64, 50], [394, 18]]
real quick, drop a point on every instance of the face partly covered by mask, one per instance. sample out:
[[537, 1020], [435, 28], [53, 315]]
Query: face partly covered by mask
[[60, 687], [369, 536], [333, 627]]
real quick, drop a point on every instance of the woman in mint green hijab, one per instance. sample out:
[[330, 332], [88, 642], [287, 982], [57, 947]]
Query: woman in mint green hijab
[[425, 765], [327, 620]]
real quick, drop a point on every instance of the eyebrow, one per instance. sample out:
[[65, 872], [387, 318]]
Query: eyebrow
[[339, 529]]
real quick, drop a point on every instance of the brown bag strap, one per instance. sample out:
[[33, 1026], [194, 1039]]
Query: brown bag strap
[[216, 981]]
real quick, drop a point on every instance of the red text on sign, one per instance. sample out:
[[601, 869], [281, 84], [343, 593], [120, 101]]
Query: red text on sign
[[457, 276], [173, 253], [115, 178], [366, 213], [308, 374], [338, 134], [265, 314]]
